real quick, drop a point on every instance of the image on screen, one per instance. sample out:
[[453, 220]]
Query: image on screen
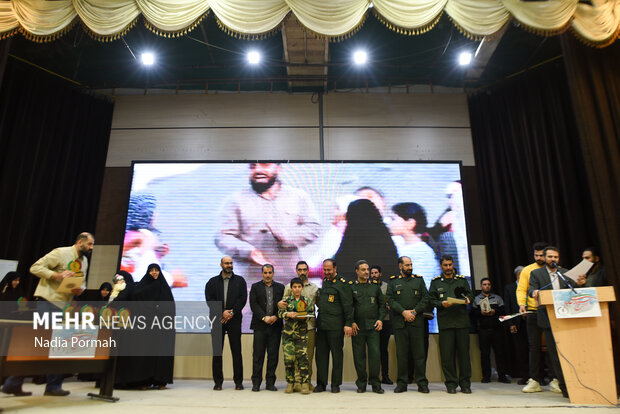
[[186, 216]]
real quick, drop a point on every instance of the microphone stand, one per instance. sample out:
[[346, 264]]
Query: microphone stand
[[561, 276]]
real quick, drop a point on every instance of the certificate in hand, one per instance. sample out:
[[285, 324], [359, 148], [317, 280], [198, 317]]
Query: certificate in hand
[[70, 283], [456, 301]]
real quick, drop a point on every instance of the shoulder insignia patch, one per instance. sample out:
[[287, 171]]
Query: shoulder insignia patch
[[460, 277], [437, 277]]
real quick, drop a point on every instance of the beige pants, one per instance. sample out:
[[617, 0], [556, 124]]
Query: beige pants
[[311, 341]]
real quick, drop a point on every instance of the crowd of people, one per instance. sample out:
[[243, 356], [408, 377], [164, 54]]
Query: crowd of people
[[311, 322]]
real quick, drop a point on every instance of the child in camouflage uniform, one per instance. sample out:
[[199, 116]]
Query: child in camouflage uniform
[[295, 336]]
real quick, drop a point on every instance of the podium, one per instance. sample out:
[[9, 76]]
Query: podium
[[585, 351]]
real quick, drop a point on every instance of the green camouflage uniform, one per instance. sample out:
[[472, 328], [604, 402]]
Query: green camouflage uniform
[[295, 341], [453, 329]]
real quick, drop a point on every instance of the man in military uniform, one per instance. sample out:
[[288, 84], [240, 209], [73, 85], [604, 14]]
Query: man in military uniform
[[310, 291], [333, 324], [369, 310], [386, 331], [453, 321], [407, 297]]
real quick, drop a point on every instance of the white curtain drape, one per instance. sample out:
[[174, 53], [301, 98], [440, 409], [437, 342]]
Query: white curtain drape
[[596, 24]]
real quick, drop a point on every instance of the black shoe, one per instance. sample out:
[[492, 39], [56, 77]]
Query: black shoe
[[485, 380], [59, 392], [319, 388], [17, 392], [400, 388], [451, 390], [359, 390], [386, 380], [423, 389], [256, 388], [378, 390], [217, 387], [503, 379], [466, 390], [239, 387], [522, 381], [335, 389], [271, 387]]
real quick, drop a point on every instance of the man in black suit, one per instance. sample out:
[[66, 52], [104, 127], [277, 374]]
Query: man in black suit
[[229, 290], [547, 278], [267, 327]]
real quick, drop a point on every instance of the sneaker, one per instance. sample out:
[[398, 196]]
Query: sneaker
[[289, 388], [532, 386], [554, 386]]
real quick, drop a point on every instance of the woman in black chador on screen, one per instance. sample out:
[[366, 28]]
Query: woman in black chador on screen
[[366, 237], [153, 348]]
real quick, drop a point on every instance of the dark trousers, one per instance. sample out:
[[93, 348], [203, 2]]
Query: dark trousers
[[329, 342], [491, 338], [233, 329], [412, 357], [266, 339], [520, 366], [366, 338], [454, 343], [534, 335], [384, 341], [553, 356], [410, 341]]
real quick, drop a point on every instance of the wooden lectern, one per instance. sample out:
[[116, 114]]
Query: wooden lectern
[[586, 343]]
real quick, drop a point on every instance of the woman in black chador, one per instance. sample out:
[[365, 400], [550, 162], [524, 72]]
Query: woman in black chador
[[153, 347], [10, 288], [366, 237]]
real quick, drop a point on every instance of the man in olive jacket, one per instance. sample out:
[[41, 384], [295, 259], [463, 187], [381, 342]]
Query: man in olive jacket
[[407, 297], [333, 324], [369, 311], [453, 321]]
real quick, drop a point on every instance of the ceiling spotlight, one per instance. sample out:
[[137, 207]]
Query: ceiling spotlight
[[465, 58], [360, 57], [148, 58], [253, 57]]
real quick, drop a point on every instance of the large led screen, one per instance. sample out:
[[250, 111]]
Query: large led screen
[[186, 216]]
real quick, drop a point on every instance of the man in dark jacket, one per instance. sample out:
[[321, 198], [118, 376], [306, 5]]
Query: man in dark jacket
[[487, 309], [227, 292], [267, 327], [550, 277]]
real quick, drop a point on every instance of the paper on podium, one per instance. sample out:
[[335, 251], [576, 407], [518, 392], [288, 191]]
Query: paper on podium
[[70, 283], [456, 301], [581, 269]]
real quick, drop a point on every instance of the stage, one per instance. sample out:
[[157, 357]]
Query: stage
[[198, 395]]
